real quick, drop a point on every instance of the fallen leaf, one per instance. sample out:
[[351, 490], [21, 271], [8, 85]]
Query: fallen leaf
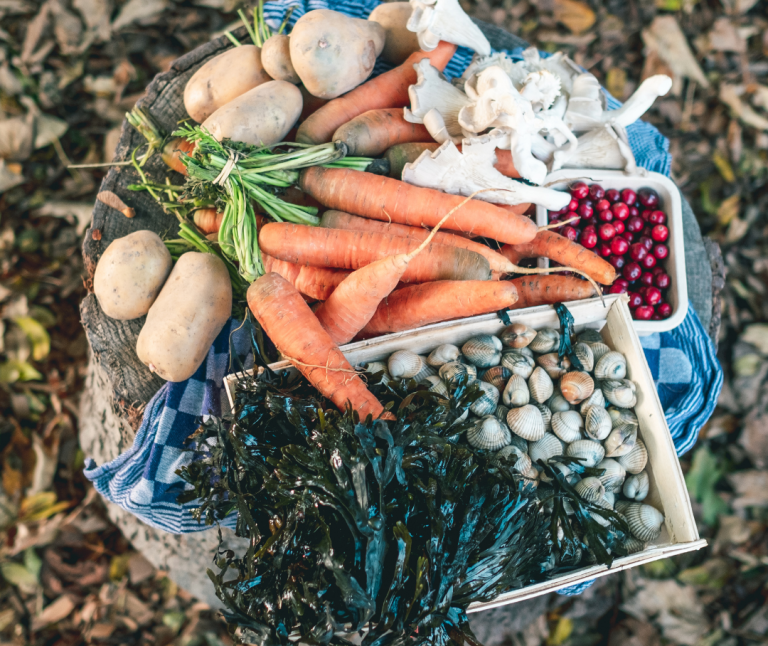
[[731, 96], [575, 15], [137, 10], [46, 460], [669, 5], [728, 209], [17, 136], [713, 573], [561, 633], [48, 129], [16, 574], [96, 15], [81, 211], [139, 568], [15, 370], [37, 335], [67, 28], [9, 83], [704, 474], [118, 567], [35, 30], [631, 632], [665, 37], [733, 530], [759, 96], [751, 488], [53, 613], [7, 617], [10, 176], [724, 37], [616, 81], [723, 166]]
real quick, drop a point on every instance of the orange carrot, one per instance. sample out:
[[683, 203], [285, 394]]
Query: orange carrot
[[298, 335], [418, 305], [207, 220], [401, 154], [305, 245], [388, 199], [172, 152], [504, 163], [389, 90], [547, 290], [371, 133], [315, 282], [548, 244]]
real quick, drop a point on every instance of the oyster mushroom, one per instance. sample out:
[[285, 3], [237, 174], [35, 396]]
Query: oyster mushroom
[[436, 20]]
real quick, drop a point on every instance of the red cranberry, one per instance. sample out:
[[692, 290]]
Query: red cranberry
[[646, 242], [602, 205], [619, 226], [617, 261], [648, 198], [604, 250], [579, 190], [619, 246], [646, 232], [646, 279], [589, 238], [661, 251], [572, 205], [612, 195], [628, 236], [605, 215], [657, 217], [606, 231], [590, 222], [635, 300], [658, 269], [585, 210], [621, 281], [554, 218], [628, 196], [634, 224], [570, 233], [637, 251], [655, 317], [617, 289], [661, 280], [643, 313], [660, 233], [649, 262], [651, 295], [634, 212], [620, 210], [596, 192], [631, 271], [664, 310]]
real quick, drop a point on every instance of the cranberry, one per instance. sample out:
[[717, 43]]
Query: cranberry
[[651, 295], [646, 232], [617, 289], [605, 215], [596, 192], [657, 217], [572, 205], [620, 210], [631, 271], [619, 226], [646, 279], [612, 195], [606, 231], [628, 196], [619, 246], [643, 313], [661, 251], [628, 236], [617, 261], [664, 310], [604, 250], [634, 212], [637, 251], [602, 205], [589, 238], [585, 210], [554, 217], [579, 190], [660, 233], [634, 224], [570, 233], [648, 198], [658, 269], [655, 317], [570, 215], [661, 280], [635, 300], [621, 281], [646, 242], [590, 222], [649, 262]]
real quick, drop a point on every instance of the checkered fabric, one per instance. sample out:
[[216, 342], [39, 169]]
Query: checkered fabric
[[143, 480]]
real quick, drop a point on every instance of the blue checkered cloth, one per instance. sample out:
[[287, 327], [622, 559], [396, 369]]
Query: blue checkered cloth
[[143, 480]]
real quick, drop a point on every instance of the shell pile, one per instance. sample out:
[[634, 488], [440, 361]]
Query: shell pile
[[536, 406]]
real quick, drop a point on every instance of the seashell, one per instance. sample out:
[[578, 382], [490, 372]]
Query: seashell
[[518, 363], [598, 350], [462, 418], [620, 441], [620, 392], [633, 545], [584, 354], [590, 489], [488, 434], [517, 335], [546, 448], [636, 486], [483, 350], [526, 422], [576, 386], [621, 506], [426, 371], [644, 521], [609, 500], [379, 366], [622, 416], [595, 399], [546, 340], [558, 404], [450, 371], [443, 354], [519, 442], [521, 461], [497, 376], [614, 475], [567, 425], [554, 364], [487, 402], [404, 364], [591, 452], [511, 453], [527, 352], [634, 461], [516, 392], [589, 336], [597, 423], [612, 365], [435, 385], [540, 384], [565, 470], [600, 520], [501, 412], [546, 414]]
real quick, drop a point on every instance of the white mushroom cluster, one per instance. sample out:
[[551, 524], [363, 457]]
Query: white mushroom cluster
[[536, 406]]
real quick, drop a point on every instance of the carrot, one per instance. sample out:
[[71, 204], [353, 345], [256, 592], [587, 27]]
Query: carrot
[[418, 305], [389, 90], [305, 245], [207, 220], [315, 282], [504, 163], [311, 103], [547, 290], [548, 244], [298, 335], [172, 152], [401, 154], [384, 198], [371, 133]]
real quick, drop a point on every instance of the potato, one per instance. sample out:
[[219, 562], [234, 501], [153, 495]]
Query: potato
[[262, 116], [187, 316], [333, 53], [223, 78], [276, 57], [400, 43], [130, 273]]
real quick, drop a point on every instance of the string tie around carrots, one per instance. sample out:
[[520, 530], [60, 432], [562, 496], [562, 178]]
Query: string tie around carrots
[[222, 177]]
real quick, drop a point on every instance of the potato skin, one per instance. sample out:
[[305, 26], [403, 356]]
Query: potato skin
[[130, 273], [333, 53], [261, 116], [276, 58], [187, 316], [400, 42], [222, 79]]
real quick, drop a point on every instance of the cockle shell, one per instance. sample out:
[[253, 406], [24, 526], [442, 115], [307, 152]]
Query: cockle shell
[[518, 363], [567, 425], [426, 371], [570, 476], [620, 440], [510, 453], [404, 364], [557, 403], [636, 486], [614, 474], [633, 545], [488, 434], [483, 350], [546, 414], [591, 452], [487, 402], [501, 412], [609, 499], [634, 461], [526, 351], [379, 366], [517, 335], [435, 385], [524, 466], [589, 336], [540, 384], [590, 489], [595, 399], [546, 448], [526, 422], [598, 350], [576, 386], [443, 354], [612, 365], [497, 376], [644, 521], [622, 416], [451, 370], [622, 505], [516, 392], [597, 423], [546, 340], [620, 392], [553, 364], [521, 461], [584, 354]]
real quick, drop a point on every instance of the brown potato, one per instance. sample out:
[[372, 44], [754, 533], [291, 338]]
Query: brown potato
[[222, 79], [400, 42], [333, 53], [276, 57], [262, 116], [130, 274], [187, 316]]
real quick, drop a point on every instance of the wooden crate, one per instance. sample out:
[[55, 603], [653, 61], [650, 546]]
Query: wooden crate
[[613, 319]]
